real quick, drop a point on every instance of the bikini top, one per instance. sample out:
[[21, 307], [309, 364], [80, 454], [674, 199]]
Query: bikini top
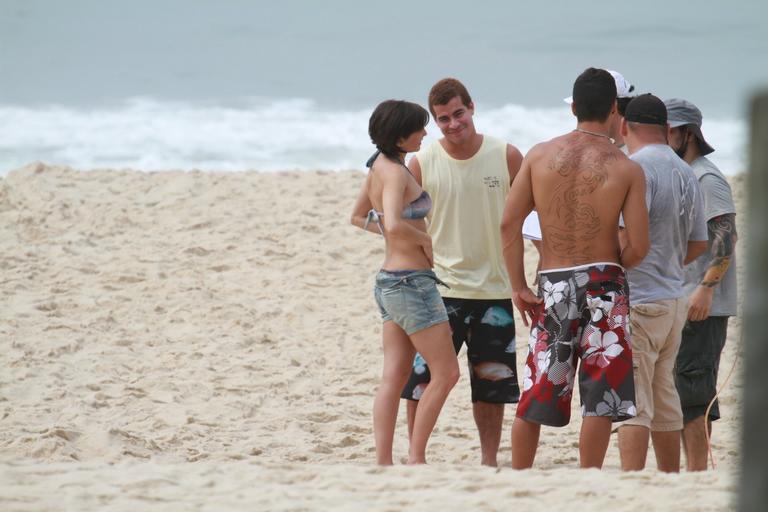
[[416, 209]]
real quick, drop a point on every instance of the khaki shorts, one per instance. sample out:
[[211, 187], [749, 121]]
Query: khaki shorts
[[656, 332]]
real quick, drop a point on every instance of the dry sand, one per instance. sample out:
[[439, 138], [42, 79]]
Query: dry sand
[[209, 341]]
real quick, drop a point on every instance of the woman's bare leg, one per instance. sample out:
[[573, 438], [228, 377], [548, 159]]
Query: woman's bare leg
[[398, 358], [435, 345]]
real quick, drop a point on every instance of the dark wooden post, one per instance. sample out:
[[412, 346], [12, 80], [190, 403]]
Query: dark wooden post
[[754, 466]]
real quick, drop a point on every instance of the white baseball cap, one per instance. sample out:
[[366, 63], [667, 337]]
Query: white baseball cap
[[623, 88]]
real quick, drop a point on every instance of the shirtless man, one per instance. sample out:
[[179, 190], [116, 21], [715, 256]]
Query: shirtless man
[[624, 90], [579, 183]]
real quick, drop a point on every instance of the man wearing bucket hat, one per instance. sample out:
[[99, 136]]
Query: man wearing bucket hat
[[710, 283]]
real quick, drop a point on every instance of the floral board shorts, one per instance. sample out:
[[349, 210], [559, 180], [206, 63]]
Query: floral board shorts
[[409, 298], [584, 321]]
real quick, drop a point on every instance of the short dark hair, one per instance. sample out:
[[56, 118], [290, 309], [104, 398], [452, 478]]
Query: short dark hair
[[621, 105], [393, 120], [445, 90], [594, 93]]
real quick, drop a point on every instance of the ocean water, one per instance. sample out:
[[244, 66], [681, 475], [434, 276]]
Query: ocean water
[[235, 85]]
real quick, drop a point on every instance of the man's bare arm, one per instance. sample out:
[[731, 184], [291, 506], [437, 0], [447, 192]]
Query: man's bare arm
[[635, 214], [695, 249], [722, 242], [514, 160], [519, 204], [723, 236], [537, 244]]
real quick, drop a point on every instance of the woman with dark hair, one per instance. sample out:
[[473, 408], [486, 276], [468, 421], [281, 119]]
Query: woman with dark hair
[[406, 288]]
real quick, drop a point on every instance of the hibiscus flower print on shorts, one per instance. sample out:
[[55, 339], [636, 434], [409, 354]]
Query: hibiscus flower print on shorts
[[584, 325]]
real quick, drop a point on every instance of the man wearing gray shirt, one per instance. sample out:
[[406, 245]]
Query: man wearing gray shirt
[[710, 282], [678, 234]]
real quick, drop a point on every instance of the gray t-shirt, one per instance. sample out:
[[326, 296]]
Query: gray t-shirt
[[718, 200], [676, 216]]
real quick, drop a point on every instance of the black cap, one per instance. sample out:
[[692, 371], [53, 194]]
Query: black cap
[[646, 109]]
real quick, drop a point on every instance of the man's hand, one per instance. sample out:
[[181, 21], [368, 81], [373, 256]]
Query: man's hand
[[699, 303], [527, 303]]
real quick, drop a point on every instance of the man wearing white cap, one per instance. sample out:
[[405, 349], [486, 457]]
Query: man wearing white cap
[[710, 283]]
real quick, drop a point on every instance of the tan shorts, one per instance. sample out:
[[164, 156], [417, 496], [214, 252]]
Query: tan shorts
[[656, 332]]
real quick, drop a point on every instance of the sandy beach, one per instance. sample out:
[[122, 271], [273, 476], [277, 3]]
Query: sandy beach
[[209, 341]]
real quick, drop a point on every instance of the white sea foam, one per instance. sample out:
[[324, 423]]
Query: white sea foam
[[265, 135]]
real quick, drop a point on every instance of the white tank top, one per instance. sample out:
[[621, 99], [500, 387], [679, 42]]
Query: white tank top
[[468, 198]]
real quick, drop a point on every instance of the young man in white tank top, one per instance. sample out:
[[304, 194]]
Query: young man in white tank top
[[468, 175]]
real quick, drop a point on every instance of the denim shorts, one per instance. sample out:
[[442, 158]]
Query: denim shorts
[[410, 299]]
